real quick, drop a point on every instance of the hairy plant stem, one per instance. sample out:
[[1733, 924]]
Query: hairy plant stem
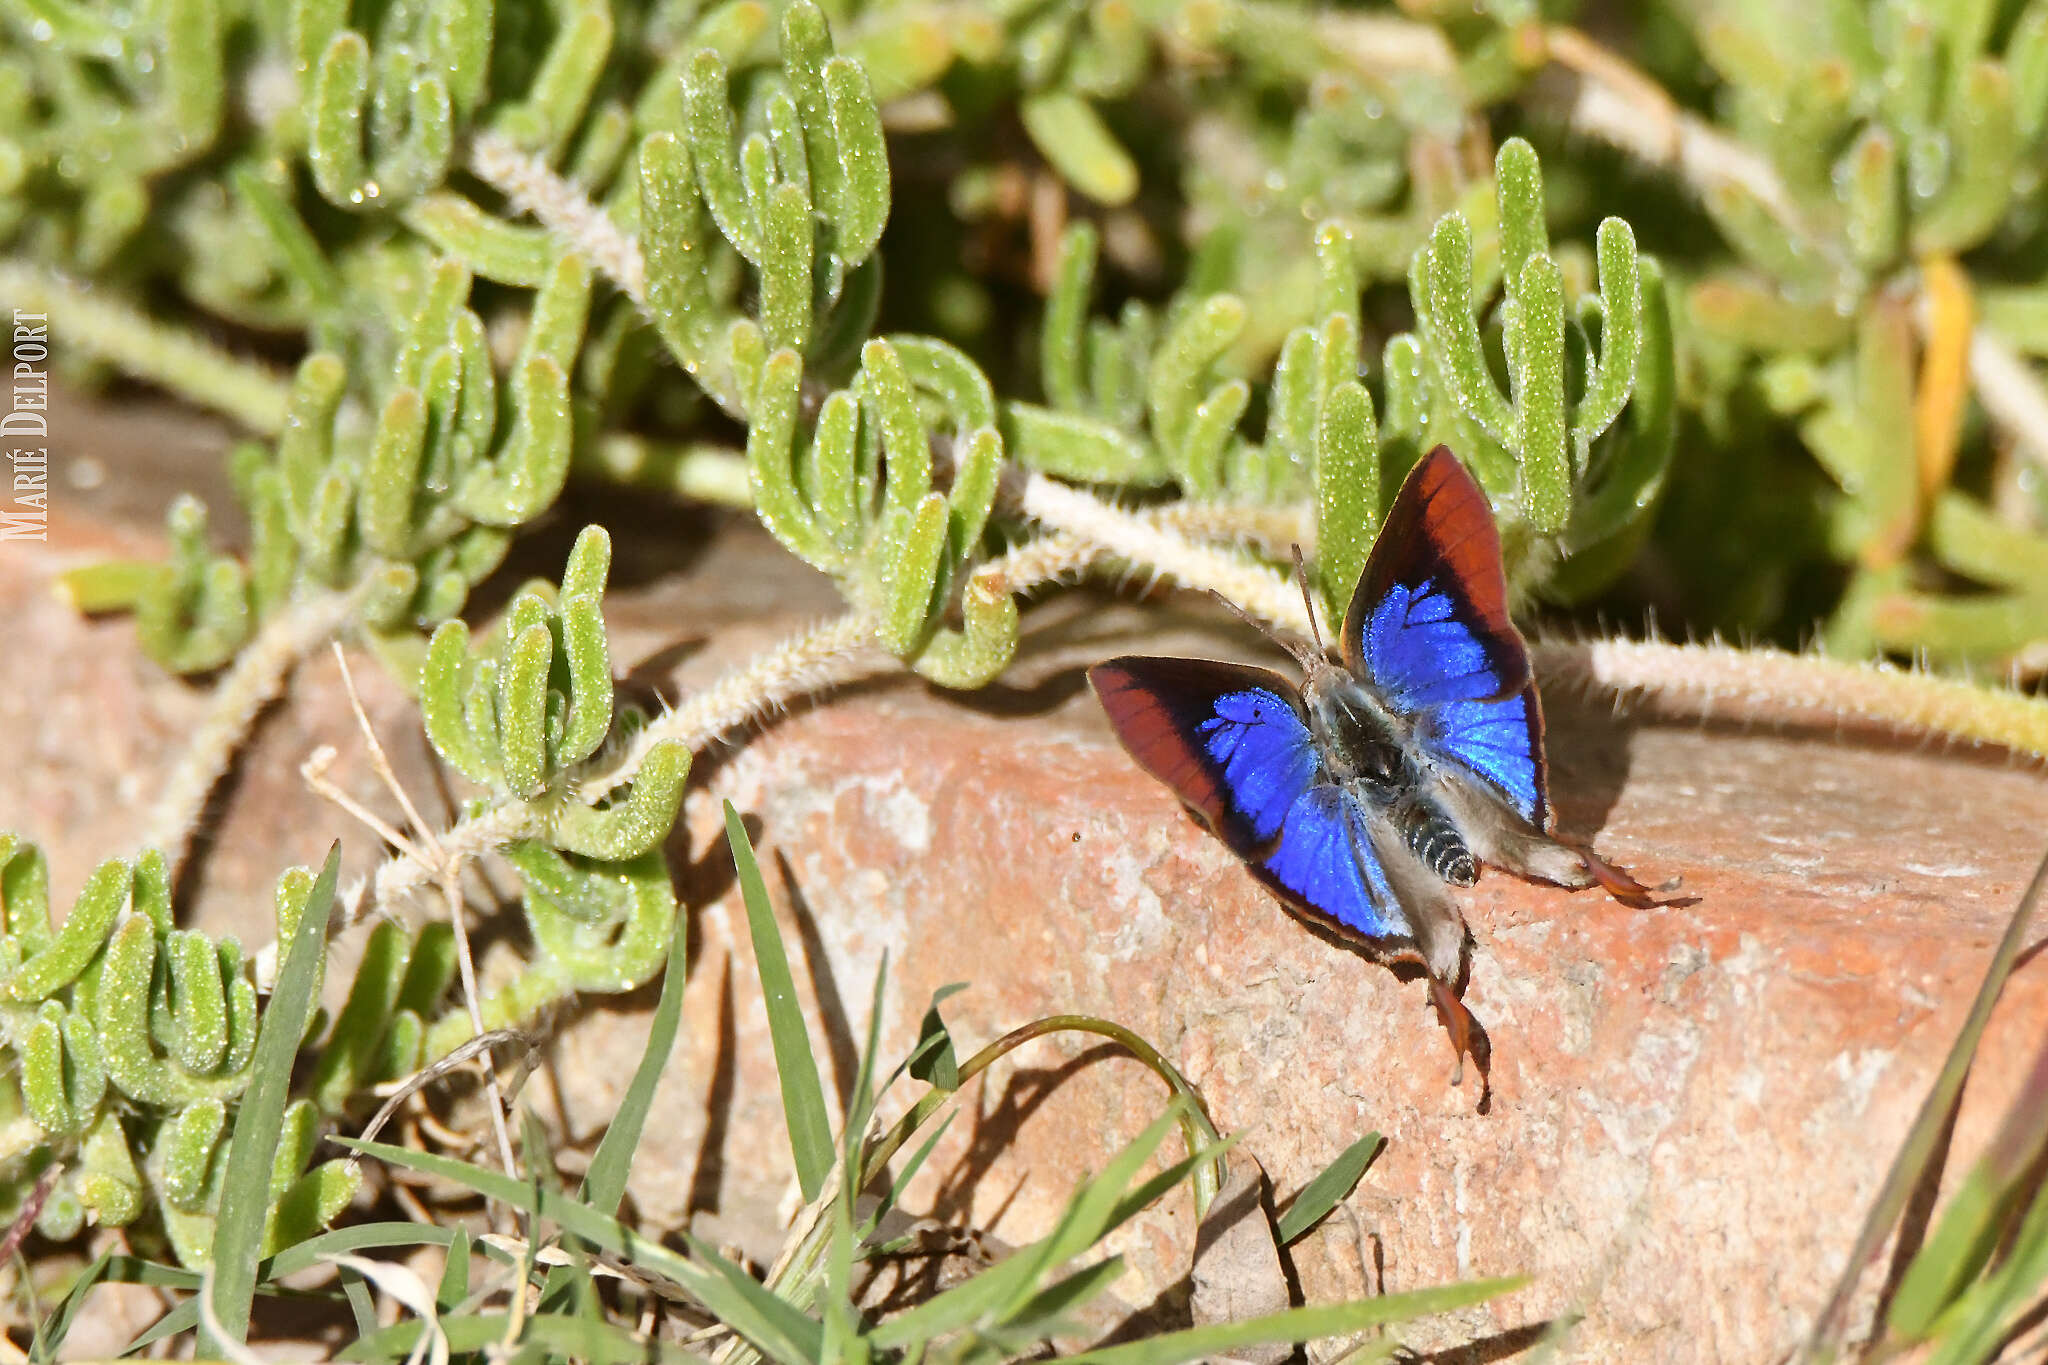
[[1775, 687], [837, 652], [404, 876], [173, 358], [1142, 542], [562, 208], [255, 679], [823, 657], [1765, 685], [1620, 105]]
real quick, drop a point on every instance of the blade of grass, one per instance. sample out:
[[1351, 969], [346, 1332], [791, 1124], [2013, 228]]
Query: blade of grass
[[600, 1229], [558, 1335], [454, 1285], [360, 1303], [1298, 1324], [863, 1103], [1978, 1324], [529, 1254], [1926, 1130], [803, 1096], [1044, 1313], [933, 1060], [1196, 1129], [293, 1259], [776, 1328], [1111, 1199], [536, 1151], [2000, 1190], [906, 1175], [1154, 1186], [52, 1330], [989, 1295], [841, 1338], [185, 1317], [735, 1297], [245, 1185], [1329, 1188], [604, 1184], [344, 1241]]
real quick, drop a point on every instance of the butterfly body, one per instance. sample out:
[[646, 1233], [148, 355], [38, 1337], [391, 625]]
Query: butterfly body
[[1374, 753], [1363, 793]]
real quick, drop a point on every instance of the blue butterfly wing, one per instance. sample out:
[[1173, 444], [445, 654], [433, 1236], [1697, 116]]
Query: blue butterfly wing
[[1428, 664], [1429, 629], [1325, 865], [1228, 738], [1232, 743]]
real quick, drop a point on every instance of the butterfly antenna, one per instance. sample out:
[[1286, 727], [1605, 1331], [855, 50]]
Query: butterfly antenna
[[1293, 647], [1241, 614], [1308, 602]]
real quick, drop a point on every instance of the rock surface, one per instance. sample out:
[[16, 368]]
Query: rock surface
[[1688, 1108]]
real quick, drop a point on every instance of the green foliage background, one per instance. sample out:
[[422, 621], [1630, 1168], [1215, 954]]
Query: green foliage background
[[1733, 311]]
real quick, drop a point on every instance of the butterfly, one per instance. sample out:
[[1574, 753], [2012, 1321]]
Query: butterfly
[[1361, 796]]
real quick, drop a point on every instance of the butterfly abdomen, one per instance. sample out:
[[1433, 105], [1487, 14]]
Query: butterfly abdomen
[[1436, 842]]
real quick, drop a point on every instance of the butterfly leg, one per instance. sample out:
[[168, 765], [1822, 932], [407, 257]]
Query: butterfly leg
[[1616, 881], [1546, 859], [1502, 839], [1457, 1022]]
